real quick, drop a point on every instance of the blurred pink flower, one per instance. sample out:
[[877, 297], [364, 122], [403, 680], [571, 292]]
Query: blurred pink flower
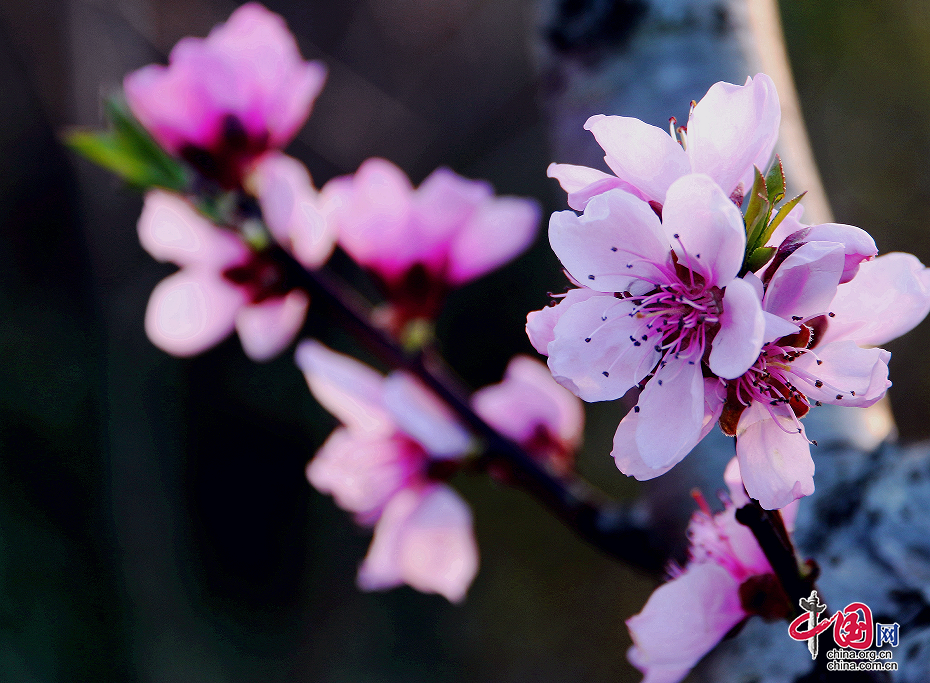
[[731, 130], [378, 466], [530, 408], [823, 302], [422, 242], [662, 298], [225, 99], [222, 285], [727, 579]]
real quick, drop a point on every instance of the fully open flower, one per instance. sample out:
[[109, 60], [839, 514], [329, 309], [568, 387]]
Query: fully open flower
[[422, 242], [225, 99], [727, 579], [662, 300], [222, 285], [819, 322], [731, 130], [379, 466]]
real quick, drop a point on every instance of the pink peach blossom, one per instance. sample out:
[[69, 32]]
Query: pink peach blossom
[[731, 130], [226, 98], [421, 242], [823, 301], [661, 296], [727, 579], [377, 466], [197, 307]]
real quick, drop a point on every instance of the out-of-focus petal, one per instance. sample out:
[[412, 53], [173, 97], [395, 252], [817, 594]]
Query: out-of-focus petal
[[643, 155], [372, 211], [292, 208], [711, 235], [170, 229], [540, 325], [420, 414], [592, 354], [499, 231], [682, 621], [191, 311], [424, 539], [527, 399], [805, 282], [267, 328], [362, 473], [732, 129], [742, 330], [350, 390], [618, 238], [888, 297], [774, 457]]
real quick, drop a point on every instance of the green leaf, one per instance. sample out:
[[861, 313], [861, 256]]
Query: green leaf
[[128, 150], [759, 258], [775, 182], [783, 211], [755, 209]]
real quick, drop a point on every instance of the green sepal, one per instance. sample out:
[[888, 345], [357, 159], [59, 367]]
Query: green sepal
[[775, 182], [128, 150], [783, 211], [758, 258], [756, 210]]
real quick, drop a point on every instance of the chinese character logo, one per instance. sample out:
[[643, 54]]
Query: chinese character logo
[[886, 633], [852, 627]]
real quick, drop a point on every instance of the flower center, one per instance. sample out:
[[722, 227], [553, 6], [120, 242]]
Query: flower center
[[680, 318]]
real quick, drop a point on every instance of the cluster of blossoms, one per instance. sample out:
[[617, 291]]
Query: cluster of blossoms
[[398, 442], [691, 289], [712, 319]]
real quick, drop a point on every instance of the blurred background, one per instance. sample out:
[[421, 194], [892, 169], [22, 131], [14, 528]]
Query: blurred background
[[155, 523]]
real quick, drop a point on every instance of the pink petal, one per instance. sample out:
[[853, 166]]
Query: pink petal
[[528, 399], [711, 235], [618, 238], [682, 621], [742, 330], [671, 413], [806, 281], [350, 390], [499, 231], [267, 328], [889, 296], [170, 229], [419, 413], [540, 325], [859, 377], [775, 461], [643, 155], [732, 129], [858, 245], [361, 472], [191, 311], [605, 367], [776, 327], [739, 498], [424, 539], [372, 212], [626, 451], [582, 183], [292, 208]]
